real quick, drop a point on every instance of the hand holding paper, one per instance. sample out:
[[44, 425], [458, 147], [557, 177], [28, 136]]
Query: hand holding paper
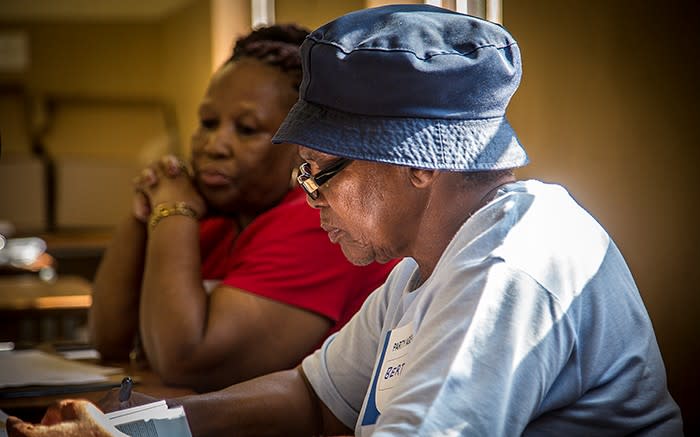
[[67, 418]]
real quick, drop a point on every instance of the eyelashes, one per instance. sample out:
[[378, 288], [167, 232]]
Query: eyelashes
[[242, 128]]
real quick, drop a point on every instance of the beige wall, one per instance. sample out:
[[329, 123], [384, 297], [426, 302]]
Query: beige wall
[[121, 93], [313, 13], [186, 64], [607, 106], [166, 60], [85, 58]]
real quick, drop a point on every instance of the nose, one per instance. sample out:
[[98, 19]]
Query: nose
[[217, 143]]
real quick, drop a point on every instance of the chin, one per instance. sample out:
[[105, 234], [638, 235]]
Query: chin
[[221, 200], [358, 257]]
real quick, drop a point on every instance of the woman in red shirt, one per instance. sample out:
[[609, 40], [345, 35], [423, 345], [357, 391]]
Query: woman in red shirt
[[222, 269]]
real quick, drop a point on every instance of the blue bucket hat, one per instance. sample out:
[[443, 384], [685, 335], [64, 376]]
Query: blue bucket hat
[[413, 85]]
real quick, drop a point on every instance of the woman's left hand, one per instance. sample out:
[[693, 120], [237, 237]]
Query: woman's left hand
[[110, 401]]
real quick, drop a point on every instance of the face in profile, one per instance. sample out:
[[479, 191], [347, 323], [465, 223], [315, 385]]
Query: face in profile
[[237, 168], [366, 208]]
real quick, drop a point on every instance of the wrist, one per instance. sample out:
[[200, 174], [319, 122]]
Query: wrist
[[170, 209]]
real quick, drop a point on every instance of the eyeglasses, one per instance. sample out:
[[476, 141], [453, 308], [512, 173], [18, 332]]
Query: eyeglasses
[[310, 182]]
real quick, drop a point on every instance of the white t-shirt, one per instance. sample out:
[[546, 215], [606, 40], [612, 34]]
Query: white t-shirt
[[530, 324]]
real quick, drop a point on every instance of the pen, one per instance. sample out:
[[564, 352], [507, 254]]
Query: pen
[[125, 389]]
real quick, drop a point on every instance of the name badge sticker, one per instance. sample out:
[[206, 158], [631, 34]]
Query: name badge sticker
[[392, 365]]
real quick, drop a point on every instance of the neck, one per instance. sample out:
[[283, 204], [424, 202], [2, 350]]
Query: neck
[[446, 211]]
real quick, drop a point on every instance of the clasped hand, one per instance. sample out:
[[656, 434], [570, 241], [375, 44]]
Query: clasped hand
[[167, 180]]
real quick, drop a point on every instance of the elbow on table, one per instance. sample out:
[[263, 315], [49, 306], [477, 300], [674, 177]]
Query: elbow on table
[[178, 367], [177, 373], [204, 375], [110, 348]]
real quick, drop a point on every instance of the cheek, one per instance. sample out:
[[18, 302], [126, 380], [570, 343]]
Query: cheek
[[257, 163], [365, 210]]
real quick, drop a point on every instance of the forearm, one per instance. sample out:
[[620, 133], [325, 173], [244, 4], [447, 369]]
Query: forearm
[[113, 316], [173, 307], [279, 403]]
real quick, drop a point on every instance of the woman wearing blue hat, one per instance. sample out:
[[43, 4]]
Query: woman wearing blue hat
[[512, 312]]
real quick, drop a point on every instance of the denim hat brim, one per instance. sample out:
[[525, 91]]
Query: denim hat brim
[[439, 144]]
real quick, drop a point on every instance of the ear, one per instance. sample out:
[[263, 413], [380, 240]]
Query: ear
[[422, 178]]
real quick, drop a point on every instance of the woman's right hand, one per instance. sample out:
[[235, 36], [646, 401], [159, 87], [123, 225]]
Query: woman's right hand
[[148, 178]]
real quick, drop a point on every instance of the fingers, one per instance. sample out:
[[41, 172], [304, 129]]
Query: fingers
[[52, 415], [67, 418], [18, 428], [169, 165], [172, 166], [61, 411], [72, 409], [147, 178], [110, 401], [141, 207]]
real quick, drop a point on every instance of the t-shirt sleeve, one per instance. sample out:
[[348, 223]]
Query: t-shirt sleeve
[[341, 370], [339, 382], [285, 255]]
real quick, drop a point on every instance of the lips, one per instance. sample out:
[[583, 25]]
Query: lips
[[213, 178], [334, 234]]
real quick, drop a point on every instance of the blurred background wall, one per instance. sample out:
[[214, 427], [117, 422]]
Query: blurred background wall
[[607, 107]]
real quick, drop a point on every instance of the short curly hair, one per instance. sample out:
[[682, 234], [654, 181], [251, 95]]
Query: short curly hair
[[276, 45]]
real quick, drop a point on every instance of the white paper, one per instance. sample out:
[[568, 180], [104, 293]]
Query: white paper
[[81, 354], [33, 367], [140, 412]]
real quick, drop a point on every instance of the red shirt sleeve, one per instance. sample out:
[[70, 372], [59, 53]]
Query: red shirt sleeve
[[217, 236]]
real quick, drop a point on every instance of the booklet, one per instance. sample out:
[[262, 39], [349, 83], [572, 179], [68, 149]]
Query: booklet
[[151, 420]]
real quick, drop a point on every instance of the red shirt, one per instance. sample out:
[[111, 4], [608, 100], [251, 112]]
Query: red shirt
[[285, 255]]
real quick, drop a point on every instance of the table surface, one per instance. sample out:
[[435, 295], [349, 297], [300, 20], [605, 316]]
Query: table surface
[[76, 240], [147, 382], [27, 292]]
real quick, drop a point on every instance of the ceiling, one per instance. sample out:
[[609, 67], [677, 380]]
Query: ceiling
[[60, 10]]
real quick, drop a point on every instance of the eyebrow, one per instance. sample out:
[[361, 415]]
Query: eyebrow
[[244, 108]]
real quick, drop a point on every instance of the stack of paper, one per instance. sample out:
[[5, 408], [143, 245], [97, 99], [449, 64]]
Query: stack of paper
[[151, 420]]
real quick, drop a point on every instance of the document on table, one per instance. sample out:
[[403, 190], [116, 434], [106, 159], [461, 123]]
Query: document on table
[[34, 367]]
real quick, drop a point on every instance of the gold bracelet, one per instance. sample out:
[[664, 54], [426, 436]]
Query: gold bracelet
[[164, 210]]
